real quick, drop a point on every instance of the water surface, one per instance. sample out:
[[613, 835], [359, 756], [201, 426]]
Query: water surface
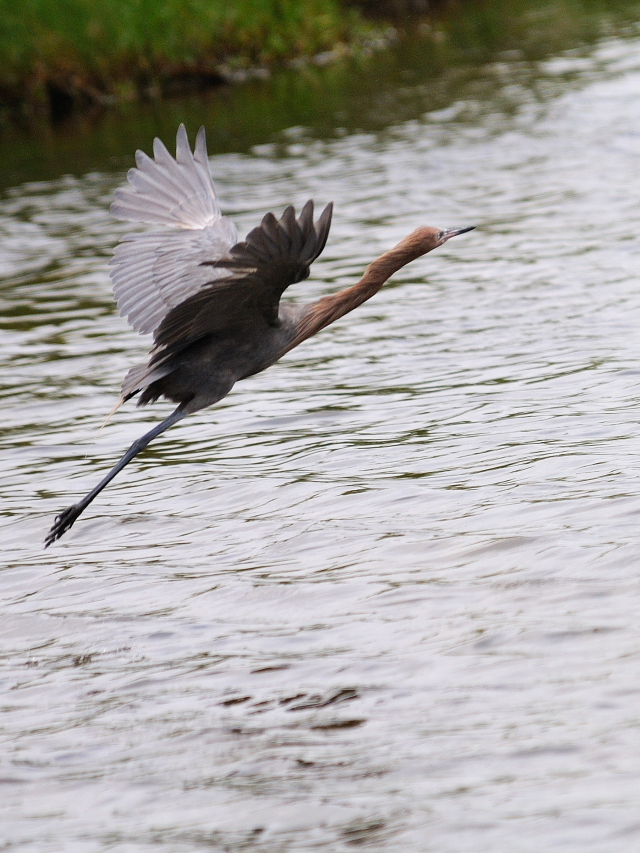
[[386, 594]]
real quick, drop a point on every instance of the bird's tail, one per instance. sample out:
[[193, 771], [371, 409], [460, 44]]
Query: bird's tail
[[109, 416]]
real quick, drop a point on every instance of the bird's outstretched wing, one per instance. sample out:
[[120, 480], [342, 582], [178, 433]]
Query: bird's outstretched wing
[[154, 271], [189, 277], [257, 271]]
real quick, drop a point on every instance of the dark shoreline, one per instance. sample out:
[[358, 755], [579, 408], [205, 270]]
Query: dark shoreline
[[57, 74], [46, 85]]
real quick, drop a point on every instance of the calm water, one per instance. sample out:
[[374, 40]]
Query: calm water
[[385, 596]]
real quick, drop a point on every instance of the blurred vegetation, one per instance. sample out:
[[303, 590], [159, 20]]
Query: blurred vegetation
[[58, 53], [59, 57]]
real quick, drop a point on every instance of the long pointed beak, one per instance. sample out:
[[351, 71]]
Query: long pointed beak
[[453, 232]]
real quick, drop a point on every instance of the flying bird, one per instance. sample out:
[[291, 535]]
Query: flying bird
[[213, 303]]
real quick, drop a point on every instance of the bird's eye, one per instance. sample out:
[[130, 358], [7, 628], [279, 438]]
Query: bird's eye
[[440, 235]]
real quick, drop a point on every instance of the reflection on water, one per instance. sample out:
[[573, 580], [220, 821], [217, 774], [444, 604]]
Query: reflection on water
[[386, 594]]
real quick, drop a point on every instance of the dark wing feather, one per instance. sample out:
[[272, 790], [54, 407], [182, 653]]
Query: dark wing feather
[[259, 270]]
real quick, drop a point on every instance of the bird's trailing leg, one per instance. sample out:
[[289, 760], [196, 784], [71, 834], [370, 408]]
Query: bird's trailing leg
[[67, 518]]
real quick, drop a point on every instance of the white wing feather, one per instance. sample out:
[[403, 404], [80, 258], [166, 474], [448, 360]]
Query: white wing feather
[[156, 270]]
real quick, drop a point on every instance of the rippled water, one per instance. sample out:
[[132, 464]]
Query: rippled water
[[386, 594]]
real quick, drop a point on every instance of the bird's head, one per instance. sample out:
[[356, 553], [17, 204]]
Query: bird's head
[[447, 234], [424, 239]]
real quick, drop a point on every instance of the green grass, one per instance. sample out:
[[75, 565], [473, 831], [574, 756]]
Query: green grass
[[104, 43], [58, 55]]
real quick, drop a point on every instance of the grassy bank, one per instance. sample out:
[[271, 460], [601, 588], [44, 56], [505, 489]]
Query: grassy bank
[[57, 55], [61, 56]]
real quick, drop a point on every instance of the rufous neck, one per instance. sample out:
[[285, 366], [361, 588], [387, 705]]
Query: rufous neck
[[327, 310]]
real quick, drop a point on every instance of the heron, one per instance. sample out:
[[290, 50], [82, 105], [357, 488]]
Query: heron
[[213, 303]]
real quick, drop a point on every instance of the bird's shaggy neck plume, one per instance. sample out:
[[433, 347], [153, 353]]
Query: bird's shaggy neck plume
[[327, 310]]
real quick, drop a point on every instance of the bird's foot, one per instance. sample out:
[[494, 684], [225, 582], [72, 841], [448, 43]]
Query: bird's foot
[[62, 523]]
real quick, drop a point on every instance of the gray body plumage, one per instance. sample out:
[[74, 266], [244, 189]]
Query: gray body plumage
[[207, 369], [211, 302]]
